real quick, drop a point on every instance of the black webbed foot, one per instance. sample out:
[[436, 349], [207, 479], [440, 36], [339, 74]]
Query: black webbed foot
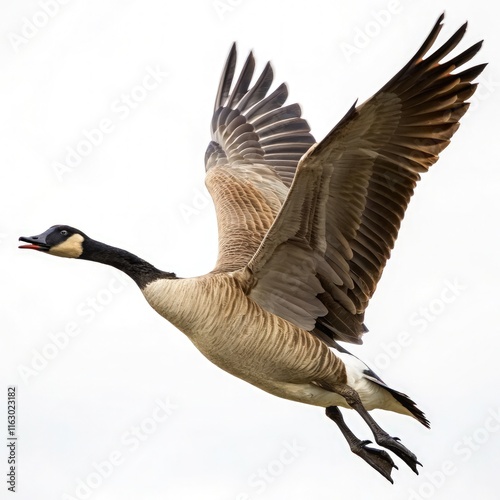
[[381, 437], [393, 444], [378, 459]]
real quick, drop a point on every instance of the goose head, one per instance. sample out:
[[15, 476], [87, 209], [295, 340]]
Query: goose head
[[60, 240], [66, 241]]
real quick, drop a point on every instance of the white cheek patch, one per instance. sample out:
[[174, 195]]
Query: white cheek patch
[[71, 248]]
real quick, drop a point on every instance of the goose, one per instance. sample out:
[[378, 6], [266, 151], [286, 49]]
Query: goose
[[305, 230]]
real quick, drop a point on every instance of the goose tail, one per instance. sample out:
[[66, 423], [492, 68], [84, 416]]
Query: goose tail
[[400, 397], [374, 392]]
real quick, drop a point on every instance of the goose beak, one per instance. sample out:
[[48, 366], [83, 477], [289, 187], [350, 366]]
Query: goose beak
[[35, 243]]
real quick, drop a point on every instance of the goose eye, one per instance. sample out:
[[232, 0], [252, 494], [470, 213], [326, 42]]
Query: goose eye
[[64, 232]]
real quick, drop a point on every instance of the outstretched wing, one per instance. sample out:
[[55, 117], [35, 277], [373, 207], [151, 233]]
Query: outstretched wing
[[322, 259], [251, 160]]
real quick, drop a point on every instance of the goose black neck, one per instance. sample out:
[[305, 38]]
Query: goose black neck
[[141, 271]]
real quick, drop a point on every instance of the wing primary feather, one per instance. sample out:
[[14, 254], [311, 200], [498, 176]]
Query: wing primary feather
[[259, 89], [227, 78], [275, 99], [241, 87], [425, 47]]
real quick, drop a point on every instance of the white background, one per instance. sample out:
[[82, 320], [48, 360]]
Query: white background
[[433, 321]]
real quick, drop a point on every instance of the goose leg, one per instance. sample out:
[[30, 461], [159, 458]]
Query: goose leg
[[381, 437], [378, 459]]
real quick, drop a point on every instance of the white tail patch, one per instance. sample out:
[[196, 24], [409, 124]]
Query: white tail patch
[[373, 395]]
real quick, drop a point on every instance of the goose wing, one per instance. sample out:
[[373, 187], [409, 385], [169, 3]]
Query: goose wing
[[256, 144], [320, 262]]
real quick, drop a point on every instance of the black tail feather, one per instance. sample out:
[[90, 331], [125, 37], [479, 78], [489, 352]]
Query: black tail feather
[[401, 398]]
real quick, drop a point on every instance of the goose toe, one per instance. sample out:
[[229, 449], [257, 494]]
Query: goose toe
[[378, 459]]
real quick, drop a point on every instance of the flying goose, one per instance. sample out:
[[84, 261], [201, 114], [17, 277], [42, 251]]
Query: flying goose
[[305, 230]]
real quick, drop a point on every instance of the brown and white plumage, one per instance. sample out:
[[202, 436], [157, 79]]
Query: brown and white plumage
[[305, 230]]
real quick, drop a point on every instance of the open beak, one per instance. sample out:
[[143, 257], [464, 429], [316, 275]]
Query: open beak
[[35, 243]]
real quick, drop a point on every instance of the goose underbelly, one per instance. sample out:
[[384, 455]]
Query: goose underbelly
[[243, 339]]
